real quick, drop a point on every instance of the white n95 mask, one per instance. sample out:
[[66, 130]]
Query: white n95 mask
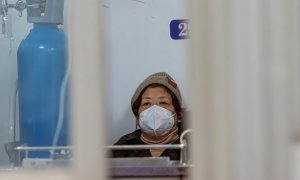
[[156, 121]]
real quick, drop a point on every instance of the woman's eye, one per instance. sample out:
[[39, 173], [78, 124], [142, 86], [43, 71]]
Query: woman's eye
[[164, 103], [146, 104]]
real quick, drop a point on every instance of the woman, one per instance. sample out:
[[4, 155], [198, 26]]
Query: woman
[[156, 105]]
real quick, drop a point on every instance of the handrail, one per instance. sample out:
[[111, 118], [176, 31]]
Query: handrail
[[42, 148], [182, 146], [152, 146], [112, 147]]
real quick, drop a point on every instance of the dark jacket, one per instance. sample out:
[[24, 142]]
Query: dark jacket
[[134, 138]]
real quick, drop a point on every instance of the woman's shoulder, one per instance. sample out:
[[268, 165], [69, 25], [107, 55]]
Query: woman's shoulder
[[131, 138]]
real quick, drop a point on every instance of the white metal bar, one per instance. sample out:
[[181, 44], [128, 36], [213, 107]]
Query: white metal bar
[[248, 127], [113, 147], [88, 89], [153, 146], [44, 148], [242, 84], [195, 78]]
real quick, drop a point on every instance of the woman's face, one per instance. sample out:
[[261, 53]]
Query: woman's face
[[157, 96]]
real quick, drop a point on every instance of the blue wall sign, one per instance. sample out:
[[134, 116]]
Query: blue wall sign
[[179, 29]]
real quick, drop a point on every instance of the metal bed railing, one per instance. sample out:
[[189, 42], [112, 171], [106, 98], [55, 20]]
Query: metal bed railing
[[15, 152]]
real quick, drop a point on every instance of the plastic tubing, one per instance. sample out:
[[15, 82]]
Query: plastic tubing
[[12, 113], [61, 105]]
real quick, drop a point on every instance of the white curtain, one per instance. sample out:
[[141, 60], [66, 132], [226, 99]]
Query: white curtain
[[245, 101]]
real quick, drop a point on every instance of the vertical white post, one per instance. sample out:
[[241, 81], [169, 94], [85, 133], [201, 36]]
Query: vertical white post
[[87, 89], [85, 38], [244, 87]]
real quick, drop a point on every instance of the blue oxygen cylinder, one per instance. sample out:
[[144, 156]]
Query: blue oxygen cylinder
[[42, 71]]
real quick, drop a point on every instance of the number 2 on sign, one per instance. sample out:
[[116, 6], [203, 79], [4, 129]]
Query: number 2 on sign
[[183, 27], [179, 29]]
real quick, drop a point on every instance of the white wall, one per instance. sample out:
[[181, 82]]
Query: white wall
[[139, 44], [8, 73]]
